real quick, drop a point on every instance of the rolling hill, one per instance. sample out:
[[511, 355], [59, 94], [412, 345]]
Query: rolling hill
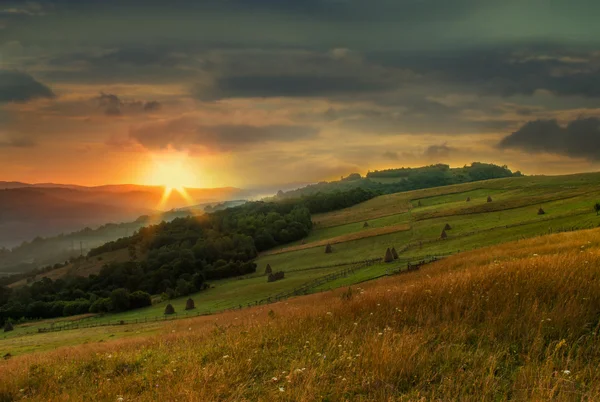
[[29, 211], [516, 321]]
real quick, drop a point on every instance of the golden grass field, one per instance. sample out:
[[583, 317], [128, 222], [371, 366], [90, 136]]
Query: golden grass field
[[517, 321], [365, 233]]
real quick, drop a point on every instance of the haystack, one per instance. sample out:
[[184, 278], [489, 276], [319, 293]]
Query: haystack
[[447, 227], [389, 257], [276, 276], [268, 270], [169, 309], [468, 199], [8, 326], [366, 225], [419, 204], [328, 249], [394, 253], [541, 211], [189, 304], [444, 235], [489, 199]]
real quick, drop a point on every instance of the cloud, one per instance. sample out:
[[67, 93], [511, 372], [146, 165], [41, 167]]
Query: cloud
[[438, 151], [17, 86], [152, 106], [579, 138], [505, 70], [17, 143], [390, 155], [302, 85], [113, 105], [186, 132]]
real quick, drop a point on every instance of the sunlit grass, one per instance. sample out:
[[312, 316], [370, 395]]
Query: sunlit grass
[[517, 321]]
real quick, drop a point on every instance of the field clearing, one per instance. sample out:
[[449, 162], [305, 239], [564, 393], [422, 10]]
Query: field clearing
[[365, 233], [436, 334], [567, 207]]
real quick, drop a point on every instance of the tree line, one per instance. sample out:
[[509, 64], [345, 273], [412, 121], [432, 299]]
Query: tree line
[[175, 258]]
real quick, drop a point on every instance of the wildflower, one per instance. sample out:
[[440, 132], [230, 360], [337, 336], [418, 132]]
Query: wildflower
[[109, 356], [381, 333], [329, 313], [120, 399], [355, 323], [281, 389], [567, 372], [274, 379], [22, 390], [226, 357], [190, 328]]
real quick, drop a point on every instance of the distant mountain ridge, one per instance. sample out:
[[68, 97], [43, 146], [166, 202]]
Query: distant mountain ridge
[[32, 210]]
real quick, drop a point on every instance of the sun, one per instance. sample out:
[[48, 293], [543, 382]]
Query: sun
[[174, 172]]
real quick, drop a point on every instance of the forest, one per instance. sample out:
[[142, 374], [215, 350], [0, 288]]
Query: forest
[[407, 179], [175, 258]]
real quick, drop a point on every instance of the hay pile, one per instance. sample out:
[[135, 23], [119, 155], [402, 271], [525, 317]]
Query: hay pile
[[169, 309], [328, 249], [447, 227], [268, 270], [8, 327], [489, 199], [394, 253], [389, 257], [276, 276], [541, 211], [444, 235], [189, 304]]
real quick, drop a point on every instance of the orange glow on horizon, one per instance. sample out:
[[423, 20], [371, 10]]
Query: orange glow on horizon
[[174, 172]]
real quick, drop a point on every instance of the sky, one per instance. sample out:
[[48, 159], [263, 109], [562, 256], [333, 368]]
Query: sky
[[259, 92]]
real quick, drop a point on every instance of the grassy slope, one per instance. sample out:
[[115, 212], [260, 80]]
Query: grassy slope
[[516, 321], [572, 198]]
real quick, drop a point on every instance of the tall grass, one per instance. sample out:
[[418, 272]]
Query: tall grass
[[517, 321]]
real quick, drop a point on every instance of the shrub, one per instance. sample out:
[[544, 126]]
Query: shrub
[[120, 299], [140, 299], [100, 306]]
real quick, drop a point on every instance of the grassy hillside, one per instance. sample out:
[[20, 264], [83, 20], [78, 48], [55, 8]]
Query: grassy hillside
[[516, 321], [413, 230]]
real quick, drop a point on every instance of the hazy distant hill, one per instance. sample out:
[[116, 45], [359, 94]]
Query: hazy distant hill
[[28, 211]]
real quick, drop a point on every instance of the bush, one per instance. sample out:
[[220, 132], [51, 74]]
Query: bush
[[140, 299], [120, 299], [101, 306]]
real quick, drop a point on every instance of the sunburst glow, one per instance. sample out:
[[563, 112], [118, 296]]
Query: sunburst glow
[[174, 172]]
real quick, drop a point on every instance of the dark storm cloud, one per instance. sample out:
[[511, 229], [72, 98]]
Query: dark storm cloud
[[579, 138], [506, 70], [16, 86], [184, 132]]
